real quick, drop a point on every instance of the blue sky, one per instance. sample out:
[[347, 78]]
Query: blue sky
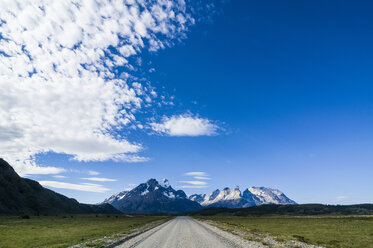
[[249, 93]]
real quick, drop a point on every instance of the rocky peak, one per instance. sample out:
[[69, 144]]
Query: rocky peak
[[165, 183], [155, 197], [233, 198]]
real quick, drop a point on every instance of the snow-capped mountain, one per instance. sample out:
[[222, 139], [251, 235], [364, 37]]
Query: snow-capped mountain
[[270, 196], [228, 197], [153, 197], [234, 198], [159, 197], [115, 198]]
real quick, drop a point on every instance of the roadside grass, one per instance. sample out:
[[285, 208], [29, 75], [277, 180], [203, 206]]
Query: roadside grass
[[64, 231], [327, 231]]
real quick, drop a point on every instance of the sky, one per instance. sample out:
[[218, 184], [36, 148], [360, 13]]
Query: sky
[[99, 96]]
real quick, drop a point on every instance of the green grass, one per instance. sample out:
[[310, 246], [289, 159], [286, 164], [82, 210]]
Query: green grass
[[333, 232], [64, 231]]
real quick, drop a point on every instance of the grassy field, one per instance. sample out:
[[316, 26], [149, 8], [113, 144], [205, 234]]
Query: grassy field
[[341, 232], [64, 231]]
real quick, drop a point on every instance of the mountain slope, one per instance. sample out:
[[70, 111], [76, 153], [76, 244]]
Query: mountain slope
[[20, 195], [270, 196], [233, 198], [153, 197], [113, 200]]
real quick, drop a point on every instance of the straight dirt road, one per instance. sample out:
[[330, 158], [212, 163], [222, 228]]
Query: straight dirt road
[[185, 232]]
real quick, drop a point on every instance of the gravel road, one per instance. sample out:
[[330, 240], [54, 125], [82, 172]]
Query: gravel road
[[185, 232]]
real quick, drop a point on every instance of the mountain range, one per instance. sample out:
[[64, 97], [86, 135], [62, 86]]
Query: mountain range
[[153, 197], [160, 197], [234, 198], [25, 196]]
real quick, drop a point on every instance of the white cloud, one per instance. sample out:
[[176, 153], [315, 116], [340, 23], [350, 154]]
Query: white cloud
[[90, 187], [59, 91], [29, 167], [196, 173], [93, 173], [194, 182], [199, 175], [185, 125], [192, 186], [59, 176], [202, 178], [99, 179]]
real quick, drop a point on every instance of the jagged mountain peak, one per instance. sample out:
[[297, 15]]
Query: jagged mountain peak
[[270, 196], [152, 182], [197, 198], [159, 197], [116, 197], [234, 198], [153, 197], [165, 183]]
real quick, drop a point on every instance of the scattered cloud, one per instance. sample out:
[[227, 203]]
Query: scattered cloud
[[196, 173], [194, 182], [192, 186], [28, 167], [59, 91], [202, 178], [185, 125], [89, 187], [93, 173], [59, 176], [199, 175], [99, 179]]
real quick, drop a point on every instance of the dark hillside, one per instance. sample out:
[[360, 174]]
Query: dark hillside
[[24, 196]]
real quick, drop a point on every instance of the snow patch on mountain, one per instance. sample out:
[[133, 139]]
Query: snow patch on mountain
[[197, 198], [153, 197], [226, 194], [270, 196], [145, 192], [234, 198], [115, 197], [160, 197], [169, 195], [164, 183]]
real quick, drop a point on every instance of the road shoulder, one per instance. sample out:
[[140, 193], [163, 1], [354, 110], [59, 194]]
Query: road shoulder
[[255, 238], [119, 238]]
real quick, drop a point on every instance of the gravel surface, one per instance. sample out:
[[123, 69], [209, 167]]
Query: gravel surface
[[185, 232]]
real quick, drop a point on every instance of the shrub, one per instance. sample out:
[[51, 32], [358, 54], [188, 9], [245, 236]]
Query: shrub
[[25, 216]]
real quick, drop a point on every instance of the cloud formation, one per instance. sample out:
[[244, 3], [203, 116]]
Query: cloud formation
[[185, 125], [99, 179], [89, 187], [192, 184], [59, 176], [202, 178], [196, 173], [59, 85]]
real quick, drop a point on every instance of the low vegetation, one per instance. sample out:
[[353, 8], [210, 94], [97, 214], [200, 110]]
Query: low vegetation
[[66, 230], [289, 210], [326, 231]]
